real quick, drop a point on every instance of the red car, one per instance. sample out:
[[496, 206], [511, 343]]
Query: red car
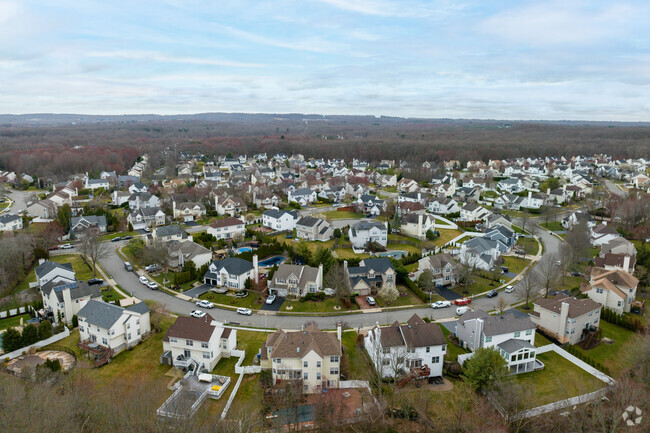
[[463, 301]]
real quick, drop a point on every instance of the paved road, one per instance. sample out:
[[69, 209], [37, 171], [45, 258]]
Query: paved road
[[612, 188], [20, 200]]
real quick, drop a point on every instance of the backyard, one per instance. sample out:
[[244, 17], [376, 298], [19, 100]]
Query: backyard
[[452, 350], [613, 356], [12, 322], [529, 245], [553, 226], [559, 380], [109, 294], [515, 264], [83, 271], [339, 215]]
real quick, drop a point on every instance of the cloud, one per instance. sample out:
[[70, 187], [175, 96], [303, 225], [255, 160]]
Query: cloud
[[316, 45], [400, 9], [161, 57]]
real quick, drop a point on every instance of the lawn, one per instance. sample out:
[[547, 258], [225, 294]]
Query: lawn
[[339, 215], [347, 253], [404, 247], [452, 350], [515, 264], [411, 299], [612, 355], [324, 306], [529, 245], [553, 226], [540, 340], [398, 237], [446, 236], [569, 283], [412, 267], [82, 270], [109, 294], [252, 301], [559, 380], [479, 285], [12, 322], [354, 362], [313, 246]]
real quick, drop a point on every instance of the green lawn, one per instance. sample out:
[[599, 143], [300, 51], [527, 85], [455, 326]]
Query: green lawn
[[339, 215], [480, 285], [529, 245], [4, 205], [569, 283], [399, 237], [540, 340], [252, 301], [411, 299], [313, 246], [452, 350], [324, 306], [412, 267], [515, 264], [12, 322], [347, 253], [110, 294], [354, 362], [553, 226], [559, 380], [82, 270], [404, 247], [610, 355]]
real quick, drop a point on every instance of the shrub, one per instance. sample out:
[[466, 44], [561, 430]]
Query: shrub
[[44, 330], [75, 321], [29, 335]]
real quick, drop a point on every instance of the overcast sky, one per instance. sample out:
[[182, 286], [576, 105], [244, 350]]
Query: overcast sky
[[567, 59]]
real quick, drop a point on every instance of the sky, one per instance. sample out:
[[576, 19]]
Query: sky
[[496, 59]]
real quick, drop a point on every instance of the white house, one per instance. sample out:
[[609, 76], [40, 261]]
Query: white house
[[280, 220], [304, 196], [231, 272], [118, 198], [229, 206], [199, 342], [184, 251], [479, 253], [9, 222], [296, 280], [473, 212], [146, 217], [565, 318], [82, 223], [63, 299], [143, 199], [113, 327], [443, 206], [396, 349], [48, 271], [97, 183], [614, 289], [443, 268], [603, 234], [188, 211], [364, 231], [313, 229], [227, 228]]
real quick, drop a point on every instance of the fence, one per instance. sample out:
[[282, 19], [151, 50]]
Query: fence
[[37, 345], [14, 312]]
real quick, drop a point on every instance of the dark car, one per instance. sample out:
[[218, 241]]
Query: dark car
[[117, 239], [576, 274], [492, 294], [93, 281], [126, 238], [504, 269]]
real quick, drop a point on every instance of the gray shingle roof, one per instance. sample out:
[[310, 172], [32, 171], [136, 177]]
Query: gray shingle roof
[[514, 344], [100, 314], [47, 266], [140, 307], [233, 265], [7, 218], [278, 213]]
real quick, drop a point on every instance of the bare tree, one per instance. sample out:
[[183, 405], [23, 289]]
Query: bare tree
[[565, 256], [465, 275], [501, 305], [548, 272], [158, 253], [527, 288], [524, 219], [338, 281], [578, 239], [91, 246], [425, 281]]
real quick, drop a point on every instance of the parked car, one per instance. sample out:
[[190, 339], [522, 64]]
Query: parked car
[[244, 311], [463, 301], [204, 304], [144, 280], [152, 285], [127, 238], [462, 310], [151, 268], [128, 266], [370, 300], [93, 281], [66, 246], [492, 293], [504, 269], [147, 229], [440, 304], [558, 263], [509, 289], [117, 239], [270, 299], [576, 274], [198, 314]]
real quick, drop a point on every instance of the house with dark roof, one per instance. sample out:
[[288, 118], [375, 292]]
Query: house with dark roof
[[146, 217], [280, 220], [480, 253], [371, 204], [364, 231], [168, 233], [443, 268], [371, 275], [198, 342], [609, 261], [396, 349], [48, 271], [566, 318], [82, 223], [304, 196], [9, 222], [296, 280], [62, 299], [417, 225], [227, 228], [230, 206], [113, 327], [512, 336], [310, 357], [314, 229], [231, 272], [188, 211], [143, 199]]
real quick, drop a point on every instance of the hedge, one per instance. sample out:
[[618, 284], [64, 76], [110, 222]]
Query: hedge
[[626, 322]]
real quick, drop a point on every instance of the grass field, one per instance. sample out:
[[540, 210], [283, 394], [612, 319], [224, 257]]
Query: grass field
[[612, 356], [411, 299], [452, 350], [529, 245], [553, 226], [324, 306], [313, 246], [540, 340], [12, 322], [252, 301], [404, 247], [399, 237], [110, 294], [82, 270], [354, 362], [347, 253], [515, 264], [339, 215], [560, 379]]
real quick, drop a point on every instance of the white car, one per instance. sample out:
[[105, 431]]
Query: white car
[[440, 304], [244, 311], [204, 304], [462, 310], [198, 314], [509, 289], [152, 285], [144, 281], [66, 246], [270, 299]]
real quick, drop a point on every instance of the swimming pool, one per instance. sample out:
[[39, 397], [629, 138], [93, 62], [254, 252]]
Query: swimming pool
[[393, 254], [272, 261], [244, 250]]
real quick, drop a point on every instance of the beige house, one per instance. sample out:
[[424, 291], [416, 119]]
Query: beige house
[[443, 268], [313, 229], [188, 211], [371, 275], [615, 288], [417, 225], [311, 357], [296, 280], [565, 318], [230, 206]]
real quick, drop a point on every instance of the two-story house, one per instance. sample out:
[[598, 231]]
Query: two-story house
[[513, 337], [146, 217], [565, 318], [313, 229], [188, 211], [9, 222], [143, 199], [396, 349], [443, 268], [303, 196], [280, 220], [473, 212], [231, 272], [113, 327], [371, 275], [602, 234], [371, 204], [615, 289], [362, 232], [47, 271], [168, 233], [443, 206], [311, 357], [82, 223], [181, 252], [296, 280], [480, 253], [198, 342], [230, 206], [227, 228], [417, 225]]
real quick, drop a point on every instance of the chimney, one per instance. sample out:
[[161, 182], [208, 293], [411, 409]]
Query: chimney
[[339, 330], [41, 261], [530, 197], [319, 278], [626, 263], [548, 191], [174, 208], [345, 267], [564, 314], [256, 268]]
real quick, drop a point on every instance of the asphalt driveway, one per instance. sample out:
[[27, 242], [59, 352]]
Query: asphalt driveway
[[198, 291], [275, 306], [448, 294]]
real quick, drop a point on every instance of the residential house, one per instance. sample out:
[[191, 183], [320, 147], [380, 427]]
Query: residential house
[[396, 349], [63, 299], [473, 212], [371, 204], [506, 237], [10, 222], [88, 222], [138, 187], [511, 185], [443, 206], [480, 253], [578, 217], [512, 336], [113, 327], [296, 281], [198, 342], [603, 234], [565, 318], [168, 233], [618, 246], [94, 184], [188, 211], [614, 289], [48, 271], [118, 198], [45, 209], [497, 219], [407, 185], [364, 231], [181, 252], [443, 268], [231, 272], [227, 228], [143, 199], [311, 357], [266, 200], [609, 261], [146, 217], [280, 220], [418, 225], [230, 206], [371, 275], [313, 229], [303, 196]]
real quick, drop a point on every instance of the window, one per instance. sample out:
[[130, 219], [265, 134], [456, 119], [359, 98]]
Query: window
[[305, 388], [489, 339], [189, 343], [305, 376], [334, 359], [128, 336], [385, 362], [435, 359], [276, 360], [529, 332], [206, 355], [137, 322], [305, 364], [104, 342], [599, 290], [112, 331], [172, 340], [517, 334], [318, 376], [81, 328], [128, 326], [317, 364], [334, 371], [428, 349], [204, 344], [620, 303], [385, 350]]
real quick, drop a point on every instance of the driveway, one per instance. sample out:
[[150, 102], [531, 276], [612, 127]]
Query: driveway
[[448, 294], [275, 306], [198, 291]]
